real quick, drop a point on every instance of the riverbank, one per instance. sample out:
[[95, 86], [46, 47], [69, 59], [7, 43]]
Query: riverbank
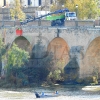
[[91, 88], [5, 85], [65, 94], [68, 92]]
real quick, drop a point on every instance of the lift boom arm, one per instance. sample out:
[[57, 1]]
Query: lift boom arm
[[38, 18]]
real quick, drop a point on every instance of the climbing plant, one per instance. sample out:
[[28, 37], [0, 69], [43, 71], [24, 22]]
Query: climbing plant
[[3, 50]]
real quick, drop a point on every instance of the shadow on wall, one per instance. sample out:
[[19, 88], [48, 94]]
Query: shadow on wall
[[39, 49], [38, 69], [23, 43], [71, 71]]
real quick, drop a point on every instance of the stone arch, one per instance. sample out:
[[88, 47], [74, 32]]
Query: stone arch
[[23, 43], [59, 50], [92, 57]]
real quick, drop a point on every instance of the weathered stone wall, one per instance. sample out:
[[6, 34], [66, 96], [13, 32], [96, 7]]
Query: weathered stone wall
[[65, 43], [47, 23]]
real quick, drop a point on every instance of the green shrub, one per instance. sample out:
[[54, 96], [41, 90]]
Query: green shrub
[[2, 82], [7, 85], [55, 75], [87, 80], [79, 81], [95, 80]]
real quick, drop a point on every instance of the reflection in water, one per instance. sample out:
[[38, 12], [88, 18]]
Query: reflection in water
[[66, 94]]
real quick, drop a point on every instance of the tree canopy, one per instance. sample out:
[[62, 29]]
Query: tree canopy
[[87, 9], [16, 57], [16, 10]]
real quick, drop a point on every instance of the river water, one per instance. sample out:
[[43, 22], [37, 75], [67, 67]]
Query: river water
[[66, 93]]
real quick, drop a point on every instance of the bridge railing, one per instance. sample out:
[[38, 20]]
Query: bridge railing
[[7, 23], [86, 23], [70, 23]]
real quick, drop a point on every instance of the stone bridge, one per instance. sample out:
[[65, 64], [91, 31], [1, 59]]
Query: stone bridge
[[60, 47]]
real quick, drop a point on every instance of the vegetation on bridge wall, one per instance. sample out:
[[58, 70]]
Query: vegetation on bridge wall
[[44, 71], [3, 50]]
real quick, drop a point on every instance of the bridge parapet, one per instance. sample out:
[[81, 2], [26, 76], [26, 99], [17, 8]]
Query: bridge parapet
[[72, 23]]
